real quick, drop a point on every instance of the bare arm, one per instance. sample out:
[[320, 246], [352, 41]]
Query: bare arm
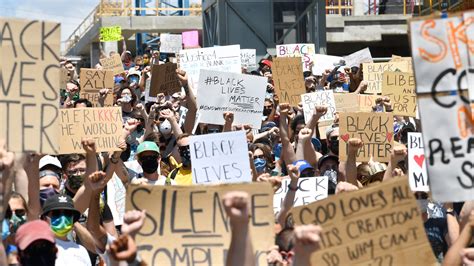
[[398, 154], [190, 99], [290, 195], [287, 149], [452, 256], [228, 120], [31, 166], [350, 166], [83, 195]]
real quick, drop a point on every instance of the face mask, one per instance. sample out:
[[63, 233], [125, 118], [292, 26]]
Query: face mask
[[423, 204], [185, 157], [61, 225], [332, 178], [139, 128], [260, 164], [146, 61], [165, 127], [75, 181], [267, 111], [149, 165], [46, 193], [16, 221], [334, 147]]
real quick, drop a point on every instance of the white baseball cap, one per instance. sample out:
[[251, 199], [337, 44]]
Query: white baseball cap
[[49, 160]]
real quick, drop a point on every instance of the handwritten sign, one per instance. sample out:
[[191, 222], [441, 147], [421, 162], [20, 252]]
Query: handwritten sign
[[396, 58], [400, 87], [378, 225], [222, 92], [104, 125], [220, 58], [171, 43], [191, 220], [366, 102], [220, 158], [373, 74], [374, 129], [288, 79], [310, 189], [29, 85], [111, 34], [190, 39], [346, 102], [94, 79], [113, 63], [93, 97], [303, 50], [358, 58], [248, 57], [164, 79], [321, 62], [418, 175], [319, 98]]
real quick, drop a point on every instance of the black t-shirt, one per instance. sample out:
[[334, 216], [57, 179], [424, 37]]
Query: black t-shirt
[[436, 230]]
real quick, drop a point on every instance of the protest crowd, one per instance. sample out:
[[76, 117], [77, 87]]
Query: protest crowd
[[212, 156]]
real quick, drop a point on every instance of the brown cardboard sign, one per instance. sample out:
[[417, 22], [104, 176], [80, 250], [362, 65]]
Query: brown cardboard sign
[[400, 87], [93, 97], [378, 225], [104, 125], [192, 222], [373, 74], [94, 79], [164, 79], [374, 129], [113, 63], [288, 79], [366, 102], [29, 85], [346, 102]]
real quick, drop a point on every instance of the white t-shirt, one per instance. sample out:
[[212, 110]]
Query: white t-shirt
[[71, 254]]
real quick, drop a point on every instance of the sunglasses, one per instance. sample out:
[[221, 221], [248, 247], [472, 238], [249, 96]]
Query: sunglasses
[[183, 148], [17, 212], [56, 213], [259, 157], [148, 158]]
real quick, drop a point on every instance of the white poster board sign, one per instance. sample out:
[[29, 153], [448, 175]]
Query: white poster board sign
[[322, 98], [221, 92], [321, 62], [171, 43], [417, 174], [220, 158], [220, 58], [359, 57], [248, 57], [303, 50], [310, 189]]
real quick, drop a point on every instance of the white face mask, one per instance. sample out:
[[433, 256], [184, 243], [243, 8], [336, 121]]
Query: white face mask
[[423, 204], [165, 127]]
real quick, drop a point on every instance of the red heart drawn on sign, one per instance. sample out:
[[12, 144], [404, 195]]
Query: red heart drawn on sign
[[389, 136], [345, 137], [419, 159]]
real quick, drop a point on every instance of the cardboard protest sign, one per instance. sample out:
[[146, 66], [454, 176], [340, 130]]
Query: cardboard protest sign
[[396, 58], [220, 158], [164, 80], [374, 129], [319, 98], [400, 87], [104, 125], [113, 63], [29, 85], [192, 221], [171, 43], [111, 34], [94, 98], [220, 58], [310, 189], [418, 176], [378, 225], [373, 74], [448, 137], [440, 54], [321, 62], [248, 57], [95, 80], [366, 102], [346, 102], [221, 92], [358, 58], [190, 39], [303, 50], [288, 79]]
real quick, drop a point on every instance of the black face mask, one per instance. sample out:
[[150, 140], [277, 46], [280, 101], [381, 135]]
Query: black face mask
[[334, 147], [149, 164], [185, 154], [267, 111]]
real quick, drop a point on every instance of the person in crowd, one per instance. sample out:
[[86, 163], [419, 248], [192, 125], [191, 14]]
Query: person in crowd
[[36, 244]]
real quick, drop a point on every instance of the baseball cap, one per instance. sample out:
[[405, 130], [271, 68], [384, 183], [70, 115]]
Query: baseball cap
[[60, 202], [266, 62], [118, 79], [32, 231], [49, 160], [331, 129], [327, 157], [303, 165], [134, 71], [147, 146]]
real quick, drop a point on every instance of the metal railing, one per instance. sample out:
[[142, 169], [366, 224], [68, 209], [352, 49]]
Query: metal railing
[[340, 7]]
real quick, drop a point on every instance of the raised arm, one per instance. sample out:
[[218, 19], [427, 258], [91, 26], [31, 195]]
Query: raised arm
[[228, 120], [290, 195], [83, 195], [190, 100], [398, 154], [31, 165], [354, 144], [287, 151]]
